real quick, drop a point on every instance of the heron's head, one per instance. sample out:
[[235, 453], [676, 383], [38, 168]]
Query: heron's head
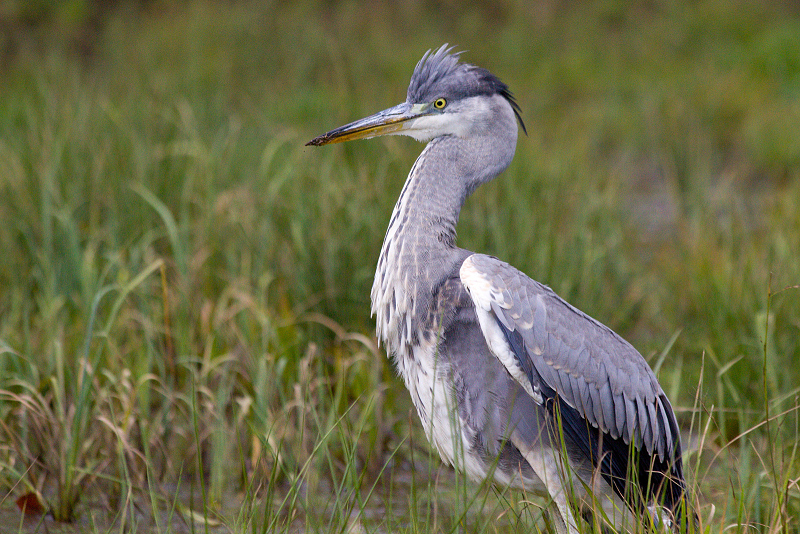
[[445, 98]]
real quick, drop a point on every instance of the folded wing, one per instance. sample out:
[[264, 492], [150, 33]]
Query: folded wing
[[606, 396]]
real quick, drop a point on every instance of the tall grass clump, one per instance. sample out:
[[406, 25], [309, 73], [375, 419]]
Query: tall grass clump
[[184, 335]]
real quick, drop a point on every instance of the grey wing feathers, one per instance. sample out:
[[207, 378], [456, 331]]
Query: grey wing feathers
[[591, 368]]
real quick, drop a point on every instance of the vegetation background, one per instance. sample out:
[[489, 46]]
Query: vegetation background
[[185, 343]]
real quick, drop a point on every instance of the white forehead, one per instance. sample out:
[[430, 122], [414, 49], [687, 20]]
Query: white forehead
[[468, 117]]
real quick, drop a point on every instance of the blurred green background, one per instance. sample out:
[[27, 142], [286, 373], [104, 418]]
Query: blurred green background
[[164, 225]]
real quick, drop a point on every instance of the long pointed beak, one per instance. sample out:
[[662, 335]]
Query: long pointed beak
[[387, 122]]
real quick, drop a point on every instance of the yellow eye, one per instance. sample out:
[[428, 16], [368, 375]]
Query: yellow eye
[[440, 103]]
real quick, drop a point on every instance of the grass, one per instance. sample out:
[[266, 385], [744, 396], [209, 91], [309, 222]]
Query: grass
[[184, 336]]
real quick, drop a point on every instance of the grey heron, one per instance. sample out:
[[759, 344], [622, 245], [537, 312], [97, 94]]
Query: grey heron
[[509, 380]]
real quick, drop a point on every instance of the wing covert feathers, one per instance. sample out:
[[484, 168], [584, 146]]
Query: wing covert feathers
[[599, 377]]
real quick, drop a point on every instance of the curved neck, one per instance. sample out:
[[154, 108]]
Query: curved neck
[[447, 171], [419, 248]]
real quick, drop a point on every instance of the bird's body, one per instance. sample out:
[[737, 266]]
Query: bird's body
[[508, 379]]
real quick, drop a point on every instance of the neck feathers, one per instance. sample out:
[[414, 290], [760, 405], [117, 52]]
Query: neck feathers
[[419, 249]]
